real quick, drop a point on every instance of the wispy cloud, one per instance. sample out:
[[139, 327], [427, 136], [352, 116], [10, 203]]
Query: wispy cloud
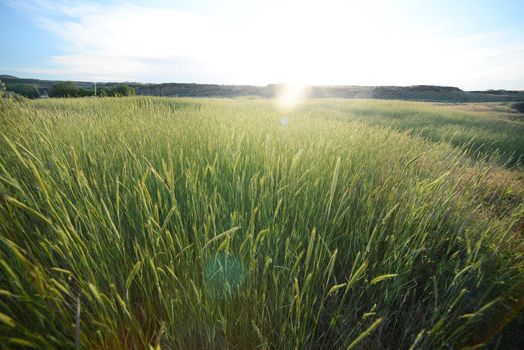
[[337, 42]]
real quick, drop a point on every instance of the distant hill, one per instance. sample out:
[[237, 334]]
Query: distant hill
[[12, 81], [200, 90], [416, 92]]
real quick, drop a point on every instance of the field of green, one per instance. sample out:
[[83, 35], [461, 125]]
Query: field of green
[[161, 223]]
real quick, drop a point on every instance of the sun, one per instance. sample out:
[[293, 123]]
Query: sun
[[289, 95]]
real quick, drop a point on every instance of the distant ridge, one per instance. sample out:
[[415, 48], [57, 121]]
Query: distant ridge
[[415, 92]]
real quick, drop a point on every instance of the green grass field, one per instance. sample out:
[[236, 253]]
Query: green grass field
[[145, 223]]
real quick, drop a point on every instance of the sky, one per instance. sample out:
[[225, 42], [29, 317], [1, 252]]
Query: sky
[[471, 44]]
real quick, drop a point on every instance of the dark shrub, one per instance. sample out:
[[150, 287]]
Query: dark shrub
[[68, 89], [118, 90], [26, 90]]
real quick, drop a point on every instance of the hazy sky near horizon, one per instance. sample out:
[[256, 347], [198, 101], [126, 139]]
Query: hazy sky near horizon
[[472, 44]]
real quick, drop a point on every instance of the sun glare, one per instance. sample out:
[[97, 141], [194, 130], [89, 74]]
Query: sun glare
[[290, 95]]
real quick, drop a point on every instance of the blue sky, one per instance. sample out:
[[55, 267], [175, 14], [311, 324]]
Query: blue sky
[[469, 44]]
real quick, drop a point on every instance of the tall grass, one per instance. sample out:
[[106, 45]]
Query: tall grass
[[481, 132], [172, 223]]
